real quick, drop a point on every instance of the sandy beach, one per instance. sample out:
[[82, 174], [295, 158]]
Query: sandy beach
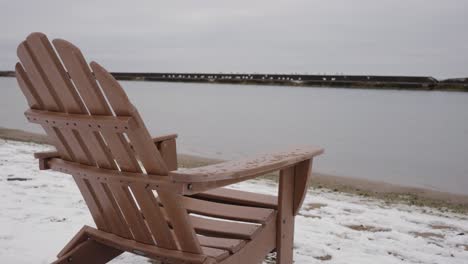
[[390, 193]]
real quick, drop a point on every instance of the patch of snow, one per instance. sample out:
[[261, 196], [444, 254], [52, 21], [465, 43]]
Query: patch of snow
[[38, 216]]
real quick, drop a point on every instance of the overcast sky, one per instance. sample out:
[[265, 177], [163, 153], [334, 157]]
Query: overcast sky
[[414, 37]]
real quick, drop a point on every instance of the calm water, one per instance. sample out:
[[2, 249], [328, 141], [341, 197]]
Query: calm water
[[403, 137]]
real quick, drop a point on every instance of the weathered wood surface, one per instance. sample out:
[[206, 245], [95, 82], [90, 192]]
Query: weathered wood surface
[[285, 220], [254, 166], [239, 197]]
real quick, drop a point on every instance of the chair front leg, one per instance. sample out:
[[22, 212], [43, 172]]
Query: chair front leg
[[285, 218], [302, 174], [89, 251], [293, 187]]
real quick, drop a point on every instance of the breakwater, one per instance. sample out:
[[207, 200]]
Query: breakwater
[[345, 81]]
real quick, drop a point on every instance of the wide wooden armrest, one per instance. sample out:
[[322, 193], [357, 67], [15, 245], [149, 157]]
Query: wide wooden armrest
[[245, 168], [43, 157], [164, 138], [47, 154], [295, 166]]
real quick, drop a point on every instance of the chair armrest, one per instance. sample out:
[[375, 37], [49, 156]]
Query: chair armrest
[[166, 145], [162, 138], [43, 157], [236, 171], [295, 168]]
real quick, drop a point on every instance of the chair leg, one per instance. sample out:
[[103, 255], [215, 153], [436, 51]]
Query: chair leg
[[79, 238], [89, 251], [285, 224]]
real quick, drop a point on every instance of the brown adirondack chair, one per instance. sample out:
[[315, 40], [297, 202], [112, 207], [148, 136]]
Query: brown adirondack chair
[[138, 198]]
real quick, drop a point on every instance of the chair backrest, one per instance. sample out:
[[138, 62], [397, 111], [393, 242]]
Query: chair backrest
[[91, 122]]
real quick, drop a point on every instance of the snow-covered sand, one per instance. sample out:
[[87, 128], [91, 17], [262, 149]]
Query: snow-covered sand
[[41, 210]]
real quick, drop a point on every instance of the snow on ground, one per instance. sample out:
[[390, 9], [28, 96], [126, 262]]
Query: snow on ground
[[41, 210]]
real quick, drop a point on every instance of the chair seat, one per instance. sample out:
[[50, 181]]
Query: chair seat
[[227, 219]]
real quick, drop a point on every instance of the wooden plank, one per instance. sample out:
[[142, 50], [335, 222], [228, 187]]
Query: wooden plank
[[220, 228], [229, 244], [64, 94], [150, 157], [35, 74], [110, 208], [81, 122], [227, 211], [93, 204], [68, 95], [139, 138], [215, 253], [285, 224], [245, 168], [149, 251], [181, 224], [162, 138], [153, 216], [131, 213], [102, 195], [95, 102], [237, 197], [168, 149], [119, 147], [36, 102], [33, 99], [43, 68], [94, 99], [302, 174], [89, 251], [226, 229], [256, 250], [108, 175], [79, 238], [122, 152], [40, 84], [82, 77], [53, 72]]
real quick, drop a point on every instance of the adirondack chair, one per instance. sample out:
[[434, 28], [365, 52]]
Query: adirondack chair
[[138, 198]]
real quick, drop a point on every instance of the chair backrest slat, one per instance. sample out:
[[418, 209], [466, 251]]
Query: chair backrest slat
[[54, 74], [62, 146], [43, 90], [150, 158], [95, 102], [63, 91], [140, 138], [34, 101], [67, 100]]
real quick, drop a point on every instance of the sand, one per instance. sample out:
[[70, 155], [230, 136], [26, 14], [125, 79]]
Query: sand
[[390, 193]]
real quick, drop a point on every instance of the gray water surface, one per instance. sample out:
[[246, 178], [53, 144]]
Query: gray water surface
[[413, 138]]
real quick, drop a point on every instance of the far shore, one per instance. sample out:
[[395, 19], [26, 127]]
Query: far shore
[[377, 82], [390, 193]]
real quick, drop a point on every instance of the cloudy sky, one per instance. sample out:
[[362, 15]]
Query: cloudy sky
[[414, 37]]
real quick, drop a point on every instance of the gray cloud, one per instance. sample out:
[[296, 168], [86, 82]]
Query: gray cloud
[[420, 37]]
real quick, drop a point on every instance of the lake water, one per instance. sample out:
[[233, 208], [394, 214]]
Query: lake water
[[413, 138]]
